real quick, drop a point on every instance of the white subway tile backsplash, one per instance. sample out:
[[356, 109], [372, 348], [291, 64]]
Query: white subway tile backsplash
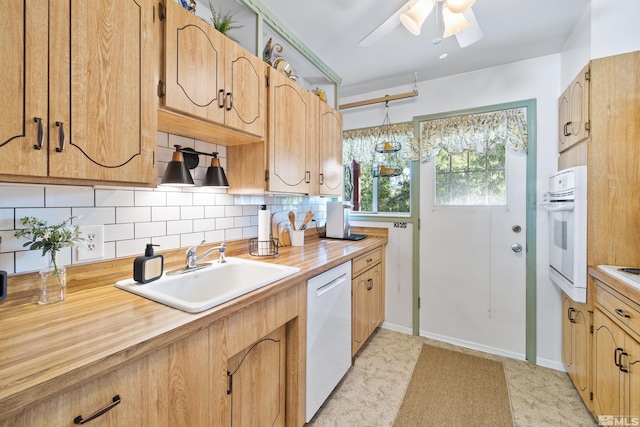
[[165, 213], [94, 216], [179, 199], [115, 232], [204, 199], [6, 263], [191, 239], [131, 247], [21, 196], [166, 242], [192, 212], [6, 219], [127, 214], [181, 140], [224, 199], [68, 196], [150, 198], [242, 221], [10, 243], [233, 211], [27, 261], [215, 236], [109, 250], [224, 223], [150, 229], [249, 232], [213, 211], [108, 197], [52, 215], [163, 139], [233, 234], [179, 227], [203, 224], [249, 210]]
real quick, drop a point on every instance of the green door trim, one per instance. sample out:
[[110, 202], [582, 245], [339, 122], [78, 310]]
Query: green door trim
[[531, 225]]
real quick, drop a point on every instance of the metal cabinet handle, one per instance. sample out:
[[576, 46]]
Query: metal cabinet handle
[[61, 139], [115, 401], [40, 137], [229, 97], [221, 98], [620, 365], [321, 179], [369, 284], [620, 313], [308, 174], [566, 126], [571, 311], [615, 356]]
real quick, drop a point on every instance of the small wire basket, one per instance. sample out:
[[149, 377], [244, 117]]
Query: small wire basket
[[263, 247]]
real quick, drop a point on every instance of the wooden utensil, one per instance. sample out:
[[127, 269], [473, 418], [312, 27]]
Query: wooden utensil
[[307, 218], [292, 219]]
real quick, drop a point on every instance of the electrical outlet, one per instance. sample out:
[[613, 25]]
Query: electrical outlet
[[93, 245]]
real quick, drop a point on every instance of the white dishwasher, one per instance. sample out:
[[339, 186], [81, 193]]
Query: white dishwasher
[[328, 333]]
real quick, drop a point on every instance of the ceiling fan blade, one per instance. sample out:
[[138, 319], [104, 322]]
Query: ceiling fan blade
[[472, 33], [386, 27]]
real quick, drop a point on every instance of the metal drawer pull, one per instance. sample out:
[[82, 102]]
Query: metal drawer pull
[[221, 98], [60, 137], [619, 312], [370, 284], [230, 103], [40, 137], [116, 401], [571, 311], [567, 133], [616, 357], [622, 368]]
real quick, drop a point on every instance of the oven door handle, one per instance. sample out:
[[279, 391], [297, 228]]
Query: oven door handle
[[558, 207]]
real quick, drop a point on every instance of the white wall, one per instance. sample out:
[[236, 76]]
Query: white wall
[[538, 78], [614, 27]]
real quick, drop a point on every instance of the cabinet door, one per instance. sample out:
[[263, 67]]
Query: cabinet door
[[257, 382], [290, 152], [631, 362], [579, 108], [376, 297], [194, 67], [606, 376], [567, 334], [359, 312], [127, 386], [102, 113], [564, 128], [330, 151], [581, 351], [245, 90], [179, 383], [23, 76]]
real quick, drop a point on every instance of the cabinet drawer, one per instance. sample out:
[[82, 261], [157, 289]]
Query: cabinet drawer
[[620, 309], [365, 261]]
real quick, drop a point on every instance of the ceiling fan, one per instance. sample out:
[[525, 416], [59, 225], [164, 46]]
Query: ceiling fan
[[457, 16]]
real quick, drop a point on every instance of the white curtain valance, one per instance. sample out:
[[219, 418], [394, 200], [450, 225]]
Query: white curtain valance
[[474, 132], [359, 144], [471, 132]]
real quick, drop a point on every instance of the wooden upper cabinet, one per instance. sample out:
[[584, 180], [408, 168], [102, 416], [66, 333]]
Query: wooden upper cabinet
[[23, 81], [291, 155], [95, 67], [330, 151], [210, 77], [573, 111]]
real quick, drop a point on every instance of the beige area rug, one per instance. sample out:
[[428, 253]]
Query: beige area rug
[[449, 388]]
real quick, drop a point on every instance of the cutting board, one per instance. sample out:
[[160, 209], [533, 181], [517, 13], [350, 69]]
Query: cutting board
[[281, 228]]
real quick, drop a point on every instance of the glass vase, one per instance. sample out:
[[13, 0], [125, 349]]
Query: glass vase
[[53, 282]]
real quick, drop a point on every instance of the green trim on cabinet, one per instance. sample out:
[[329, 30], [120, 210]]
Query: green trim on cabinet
[[267, 16]]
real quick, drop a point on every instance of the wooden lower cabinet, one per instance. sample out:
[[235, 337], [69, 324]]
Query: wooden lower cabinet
[[576, 344], [367, 297], [187, 382], [616, 369]]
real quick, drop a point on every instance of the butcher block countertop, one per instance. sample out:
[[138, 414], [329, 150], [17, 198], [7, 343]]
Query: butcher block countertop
[[48, 349]]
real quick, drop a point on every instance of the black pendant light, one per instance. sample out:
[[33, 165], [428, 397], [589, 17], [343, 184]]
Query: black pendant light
[[177, 173], [215, 176]]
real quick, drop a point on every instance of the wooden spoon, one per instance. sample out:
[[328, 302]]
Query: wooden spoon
[[292, 219], [307, 218]]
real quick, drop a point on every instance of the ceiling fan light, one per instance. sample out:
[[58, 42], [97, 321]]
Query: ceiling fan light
[[471, 34], [453, 22], [414, 17], [459, 6]]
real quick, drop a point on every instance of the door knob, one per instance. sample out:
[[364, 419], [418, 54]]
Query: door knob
[[516, 247]]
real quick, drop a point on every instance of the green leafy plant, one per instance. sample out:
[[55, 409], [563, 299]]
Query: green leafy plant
[[49, 238], [222, 23]]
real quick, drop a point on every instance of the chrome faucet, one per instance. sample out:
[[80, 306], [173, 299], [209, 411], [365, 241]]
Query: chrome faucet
[[193, 259]]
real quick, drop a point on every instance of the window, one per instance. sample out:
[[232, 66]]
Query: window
[[378, 181]]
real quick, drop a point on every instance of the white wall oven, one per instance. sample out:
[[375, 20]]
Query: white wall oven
[[567, 207]]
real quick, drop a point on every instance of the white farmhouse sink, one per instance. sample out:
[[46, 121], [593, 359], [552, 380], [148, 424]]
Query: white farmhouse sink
[[204, 288]]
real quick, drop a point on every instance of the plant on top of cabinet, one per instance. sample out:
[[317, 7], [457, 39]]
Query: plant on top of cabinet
[[212, 88], [81, 107], [223, 23]]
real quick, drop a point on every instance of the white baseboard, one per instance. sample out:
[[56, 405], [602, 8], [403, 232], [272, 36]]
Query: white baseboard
[[397, 328], [474, 346], [552, 364]]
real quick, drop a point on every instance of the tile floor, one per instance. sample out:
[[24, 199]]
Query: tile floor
[[372, 391]]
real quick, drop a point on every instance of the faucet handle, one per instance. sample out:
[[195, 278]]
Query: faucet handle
[[192, 250]]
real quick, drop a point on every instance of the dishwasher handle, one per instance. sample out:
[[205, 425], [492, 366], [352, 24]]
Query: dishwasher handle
[[327, 287]]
